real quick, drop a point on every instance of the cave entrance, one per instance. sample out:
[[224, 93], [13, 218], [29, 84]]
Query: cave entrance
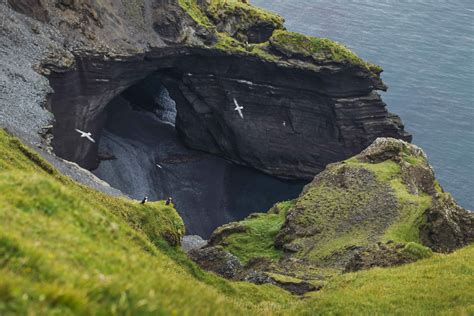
[[141, 154]]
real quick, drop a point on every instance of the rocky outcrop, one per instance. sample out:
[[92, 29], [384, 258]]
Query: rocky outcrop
[[447, 225], [372, 197], [221, 262], [217, 260], [386, 255], [192, 242], [307, 102], [380, 208]]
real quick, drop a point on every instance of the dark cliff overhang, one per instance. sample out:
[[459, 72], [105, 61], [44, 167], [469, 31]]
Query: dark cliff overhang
[[296, 120]]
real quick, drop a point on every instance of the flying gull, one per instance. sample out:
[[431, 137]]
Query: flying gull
[[86, 135], [238, 108], [159, 166]]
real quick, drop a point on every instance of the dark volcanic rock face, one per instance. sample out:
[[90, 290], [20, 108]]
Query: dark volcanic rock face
[[295, 121], [300, 113], [303, 107], [208, 191]]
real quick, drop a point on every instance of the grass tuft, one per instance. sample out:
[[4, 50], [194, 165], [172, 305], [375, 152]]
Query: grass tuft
[[319, 49], [259, 237]]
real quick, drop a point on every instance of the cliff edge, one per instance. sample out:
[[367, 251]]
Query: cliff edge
[[307, 101]]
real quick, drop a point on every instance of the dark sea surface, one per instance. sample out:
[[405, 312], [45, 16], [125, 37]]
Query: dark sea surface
[[427, 51]]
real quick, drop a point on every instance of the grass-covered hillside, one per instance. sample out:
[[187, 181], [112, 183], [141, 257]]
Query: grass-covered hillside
[[66, 249]]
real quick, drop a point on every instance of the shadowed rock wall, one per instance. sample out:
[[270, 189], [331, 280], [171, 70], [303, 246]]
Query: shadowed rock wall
[[295, 121], [208, 191]]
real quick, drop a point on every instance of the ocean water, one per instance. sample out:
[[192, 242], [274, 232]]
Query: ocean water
[[426, 48]]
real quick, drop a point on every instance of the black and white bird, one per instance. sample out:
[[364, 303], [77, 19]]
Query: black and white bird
[[145, 199], [238, 108], [85, 135], [159, 166]]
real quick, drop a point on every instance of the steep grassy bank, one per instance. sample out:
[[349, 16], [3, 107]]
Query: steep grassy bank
[[442, 285], [66, 249]]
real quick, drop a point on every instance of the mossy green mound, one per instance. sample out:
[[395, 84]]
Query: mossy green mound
[[366, 211], [257, 236]]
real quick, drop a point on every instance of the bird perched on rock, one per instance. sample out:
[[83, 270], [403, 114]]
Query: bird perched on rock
[[145, 199], [86, 135], [169, 201]]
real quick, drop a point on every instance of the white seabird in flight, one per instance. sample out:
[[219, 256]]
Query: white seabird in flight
[[86, 135], [238, 108], [159, 166]]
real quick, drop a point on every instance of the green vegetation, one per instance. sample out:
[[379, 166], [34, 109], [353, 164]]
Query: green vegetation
[[417, 251], [411, 217], [441, 285], [196, 13], [221, 10], [328, 210], [319, 49], [246, 16], [259, 237], [69, 250], [412, 206]]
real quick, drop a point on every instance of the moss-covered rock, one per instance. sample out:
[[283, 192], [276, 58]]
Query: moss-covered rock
[[253, 237], [243, 21], [381, 208], [317, 50], [379, 195], [245, 29]]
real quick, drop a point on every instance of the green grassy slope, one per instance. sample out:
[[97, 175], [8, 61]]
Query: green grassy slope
[[259, 236], [66, 249], [441, 285]]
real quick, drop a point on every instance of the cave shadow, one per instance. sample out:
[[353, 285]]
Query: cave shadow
[[142, 154]]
